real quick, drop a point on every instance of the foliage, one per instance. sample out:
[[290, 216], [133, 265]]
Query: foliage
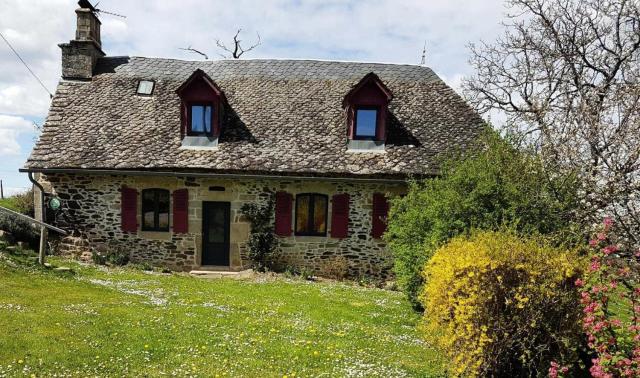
[[262, 243], [110, 254], [19, 229], [611, 303], [21, 202], [108, 322], [498, 185], [336, 267], [502, 305], [565, 75]]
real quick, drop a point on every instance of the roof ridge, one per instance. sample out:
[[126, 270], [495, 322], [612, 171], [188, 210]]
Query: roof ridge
[[269, 60]]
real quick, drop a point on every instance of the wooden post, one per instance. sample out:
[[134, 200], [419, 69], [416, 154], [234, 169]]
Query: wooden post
[[1, 190], [43, 242]]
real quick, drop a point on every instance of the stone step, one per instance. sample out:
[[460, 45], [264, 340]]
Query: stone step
[[221, 273]]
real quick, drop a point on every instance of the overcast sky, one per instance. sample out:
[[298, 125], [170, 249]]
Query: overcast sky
[[392, 31]]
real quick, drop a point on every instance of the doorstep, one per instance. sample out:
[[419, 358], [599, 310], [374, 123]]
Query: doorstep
[[209, 273]]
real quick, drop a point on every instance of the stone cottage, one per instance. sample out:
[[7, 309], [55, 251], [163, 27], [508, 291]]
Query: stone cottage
[[159, 155]]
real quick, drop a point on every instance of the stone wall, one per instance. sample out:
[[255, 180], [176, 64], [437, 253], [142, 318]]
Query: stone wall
[[91, 209]]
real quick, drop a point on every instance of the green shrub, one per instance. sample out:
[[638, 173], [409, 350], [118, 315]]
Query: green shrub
[[110, 254], [262, 242], [21, 202], [19, 230], [497, 186], [500, 305], [98, 257]]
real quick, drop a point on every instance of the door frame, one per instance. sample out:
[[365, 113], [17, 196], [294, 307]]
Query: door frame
[[205, 222]]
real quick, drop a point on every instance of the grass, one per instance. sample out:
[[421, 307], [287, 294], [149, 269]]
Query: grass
[[10, 203], [125, 322]]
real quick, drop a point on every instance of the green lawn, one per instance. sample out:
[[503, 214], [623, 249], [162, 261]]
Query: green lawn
[[115, 322]]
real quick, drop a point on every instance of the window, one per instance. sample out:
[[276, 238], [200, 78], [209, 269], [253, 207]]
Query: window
[[145, 87], [366, 123], [201, 118], [155, 210], [311, 214]]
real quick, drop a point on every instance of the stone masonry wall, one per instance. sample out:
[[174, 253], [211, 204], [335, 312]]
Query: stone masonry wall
[[91, 209]]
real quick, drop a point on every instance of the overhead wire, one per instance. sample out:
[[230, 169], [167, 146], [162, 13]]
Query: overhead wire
[[27, 66]]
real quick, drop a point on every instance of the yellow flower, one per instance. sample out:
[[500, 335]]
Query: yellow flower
[[20, 362]]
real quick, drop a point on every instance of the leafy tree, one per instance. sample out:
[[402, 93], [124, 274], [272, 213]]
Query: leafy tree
[[498, 185], [565, 75]]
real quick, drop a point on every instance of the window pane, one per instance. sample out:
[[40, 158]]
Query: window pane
[[163, 209], [302, 214], [155, 209], [366, 120], [216, 227], [320, 215], [201, 118], [145, 87], [197, 119], [207, 118], [148, 207]]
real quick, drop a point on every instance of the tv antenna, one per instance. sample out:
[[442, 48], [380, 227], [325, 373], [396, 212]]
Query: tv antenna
[[424, 54], [94, 8]]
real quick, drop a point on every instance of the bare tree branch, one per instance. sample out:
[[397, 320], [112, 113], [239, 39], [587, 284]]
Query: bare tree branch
[[237, 50], [194, 51], [566, 75]]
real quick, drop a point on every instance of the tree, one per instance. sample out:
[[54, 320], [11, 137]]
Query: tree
[[494, 187], [565, 74], [237, 50]]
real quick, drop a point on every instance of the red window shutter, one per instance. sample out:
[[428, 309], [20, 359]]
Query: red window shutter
[[283, 213], [340, 216], [181, 211], [381, 126], [380, 211], [129, 209]]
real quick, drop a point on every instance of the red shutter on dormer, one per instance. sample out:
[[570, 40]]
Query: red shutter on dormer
[[181, 211], [381, 129], [129, 209], [379, 214], [340, 216], [283, 213]]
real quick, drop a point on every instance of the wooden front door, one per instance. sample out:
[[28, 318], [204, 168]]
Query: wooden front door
[[215, 233]]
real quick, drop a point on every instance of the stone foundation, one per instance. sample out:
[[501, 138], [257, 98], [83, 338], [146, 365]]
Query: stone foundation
[[91, 211]]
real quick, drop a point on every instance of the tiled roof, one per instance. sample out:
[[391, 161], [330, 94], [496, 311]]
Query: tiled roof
[[286, 118]]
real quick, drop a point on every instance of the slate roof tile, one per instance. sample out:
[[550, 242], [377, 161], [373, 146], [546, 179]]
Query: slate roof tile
[[286, 118]]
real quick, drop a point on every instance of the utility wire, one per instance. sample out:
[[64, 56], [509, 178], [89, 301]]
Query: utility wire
[[26, 65]]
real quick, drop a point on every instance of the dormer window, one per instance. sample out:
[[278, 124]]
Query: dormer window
[[367, 111], [200, 119], [201, 111], [366, 123]]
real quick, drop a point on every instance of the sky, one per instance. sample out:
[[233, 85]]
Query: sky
[[390, 31]]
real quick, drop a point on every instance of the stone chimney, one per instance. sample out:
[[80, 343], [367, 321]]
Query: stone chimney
[[80, 55]]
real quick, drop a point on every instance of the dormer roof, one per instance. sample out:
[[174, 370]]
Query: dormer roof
[[200, 75], [370, 78]]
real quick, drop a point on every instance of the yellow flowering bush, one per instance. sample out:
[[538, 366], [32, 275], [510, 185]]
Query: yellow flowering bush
[[501, 305]]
